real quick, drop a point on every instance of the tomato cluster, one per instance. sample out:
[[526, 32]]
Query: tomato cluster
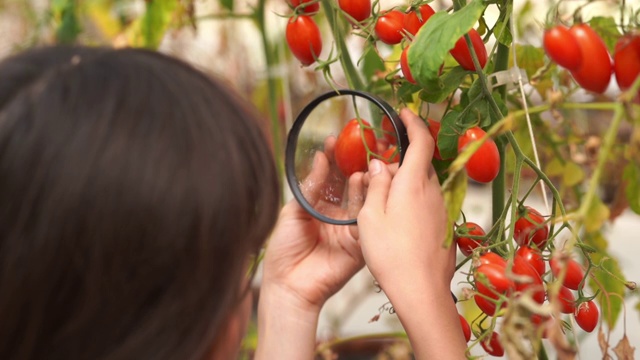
[[582, 51], [497, 280]]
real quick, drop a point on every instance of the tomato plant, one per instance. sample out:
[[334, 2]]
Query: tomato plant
[[531, 228], [388, 130], [562, 47], [484, 164], [587, 315], [492, 281], [414, 19], [462, 54], [492, 258], [389, 27], [434, 129], [359, 10], [595, 72], [529, 280], [391, 155], [466, 243], [304, 39], [351, 152], [567, 301]]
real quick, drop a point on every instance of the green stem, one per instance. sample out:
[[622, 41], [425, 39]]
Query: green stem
[[271, 61], [350, 71]]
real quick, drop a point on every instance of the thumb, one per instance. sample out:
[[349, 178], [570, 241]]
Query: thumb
[[379, 184]]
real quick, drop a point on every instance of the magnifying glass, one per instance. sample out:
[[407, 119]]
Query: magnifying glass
[[333, 137]]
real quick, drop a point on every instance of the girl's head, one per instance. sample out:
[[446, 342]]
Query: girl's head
[[133, 190]]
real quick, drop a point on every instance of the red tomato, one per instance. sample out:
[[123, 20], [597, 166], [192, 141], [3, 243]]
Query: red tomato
[[626, 60], [484, 164], [303, 38], [350, 151], [466, 329], [491, 281], [533, 257], [404, 65], [567, 301], [462, 54], [411, 21], [309, 7], [389, 130], [485, 305], [467, 244], [492, 346], [528, 280], [359, 10], [391, 155], [562, 47], [492, 258], [434, 129], [595, 72], [531, 228], [587, 315], [389, 27], [573, 276]]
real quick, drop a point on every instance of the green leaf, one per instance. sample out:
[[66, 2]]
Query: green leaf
[[597, 214], [454, 190], [611, 279], [631, 177], [450, 80], [155, 22], [371, 62], [436, 38], [607, 29], [448, 135], [442, 169], [502, 30], [69, 26]]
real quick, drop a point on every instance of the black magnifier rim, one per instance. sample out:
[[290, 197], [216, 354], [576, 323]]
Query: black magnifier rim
[[292, 143]]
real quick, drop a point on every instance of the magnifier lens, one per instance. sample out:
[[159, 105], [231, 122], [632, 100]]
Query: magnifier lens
[[334, 138]]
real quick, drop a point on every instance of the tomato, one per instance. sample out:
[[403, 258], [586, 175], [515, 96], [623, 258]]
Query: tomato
[[462, 54], [350, 151], [492, 258], [467, 244], [359, 10], [562, 47], [595, 72], [567, 301], [531, 228], [391, 155], [626, 60], [466, 329], [411, 21], [485, 305], [434, 129], [528, 280], [587, 315], [389, 27], [492, 346], [404, 65], [484, 164], [389, 130], [491, 281], [573, 276], [533, 257], [310, 7], [303, 38]]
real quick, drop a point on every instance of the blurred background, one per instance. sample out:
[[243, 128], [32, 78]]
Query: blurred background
[[243, 42]]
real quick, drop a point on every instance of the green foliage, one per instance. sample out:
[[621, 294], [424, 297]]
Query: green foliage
[[65, 14], [439, 35], [607, 28], [155, 22], [631, 176]]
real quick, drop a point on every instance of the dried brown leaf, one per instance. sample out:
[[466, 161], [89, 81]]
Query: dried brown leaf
[[624, 350], [604, 345]]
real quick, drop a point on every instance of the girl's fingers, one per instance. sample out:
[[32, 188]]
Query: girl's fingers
[[314, 183], [419, 153], [378, 188]]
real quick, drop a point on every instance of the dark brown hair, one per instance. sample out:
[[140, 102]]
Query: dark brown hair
[[133, 188]]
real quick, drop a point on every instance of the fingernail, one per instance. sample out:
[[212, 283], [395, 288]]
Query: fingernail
[[375, 166]]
